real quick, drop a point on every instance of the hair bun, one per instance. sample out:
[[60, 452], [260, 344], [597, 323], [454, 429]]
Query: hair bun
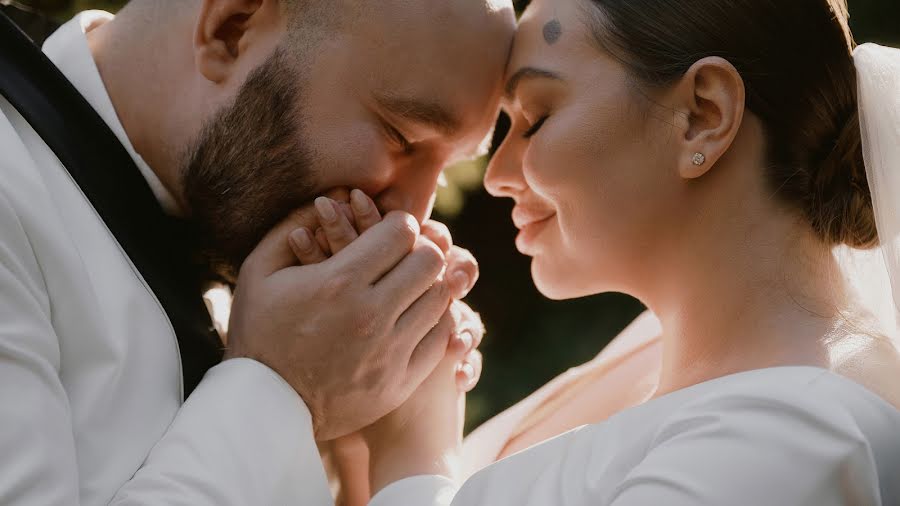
[[840, 207]]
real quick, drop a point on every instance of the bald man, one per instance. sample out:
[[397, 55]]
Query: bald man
[[143, 153]]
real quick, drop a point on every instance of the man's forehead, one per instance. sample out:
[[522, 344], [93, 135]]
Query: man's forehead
[[449, 105], [441, 63]]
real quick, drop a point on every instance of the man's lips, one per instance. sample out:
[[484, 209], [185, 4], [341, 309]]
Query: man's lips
[[524, 216]]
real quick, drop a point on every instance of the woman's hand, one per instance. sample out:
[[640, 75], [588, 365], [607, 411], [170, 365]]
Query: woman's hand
[[424, 435], [346, 461]]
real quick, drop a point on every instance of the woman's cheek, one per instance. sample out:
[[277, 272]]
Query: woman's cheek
[[557, 164], [543, 162]]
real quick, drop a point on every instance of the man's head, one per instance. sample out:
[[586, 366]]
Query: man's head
[[285, 99]]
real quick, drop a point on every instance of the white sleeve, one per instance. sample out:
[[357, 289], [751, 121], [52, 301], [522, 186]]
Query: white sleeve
[[38, 464], [425, 490], [796, 450], [244, 437]]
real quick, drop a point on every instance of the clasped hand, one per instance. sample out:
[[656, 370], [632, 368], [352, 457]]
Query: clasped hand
[[356, 312]]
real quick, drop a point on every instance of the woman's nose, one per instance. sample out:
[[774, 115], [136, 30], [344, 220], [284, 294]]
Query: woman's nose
[[504, 173]]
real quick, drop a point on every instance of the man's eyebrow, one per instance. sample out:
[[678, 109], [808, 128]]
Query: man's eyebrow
[[527, 73], [431, 114]]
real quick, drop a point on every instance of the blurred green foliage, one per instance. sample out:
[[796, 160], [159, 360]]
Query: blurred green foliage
[[530, 339]]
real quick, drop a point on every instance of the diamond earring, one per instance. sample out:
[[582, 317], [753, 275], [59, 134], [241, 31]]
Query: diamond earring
[[699, 159]]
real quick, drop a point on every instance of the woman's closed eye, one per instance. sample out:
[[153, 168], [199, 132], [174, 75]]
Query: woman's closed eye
[[535, 127]]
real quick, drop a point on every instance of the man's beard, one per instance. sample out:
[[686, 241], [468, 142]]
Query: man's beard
[[250, 166]]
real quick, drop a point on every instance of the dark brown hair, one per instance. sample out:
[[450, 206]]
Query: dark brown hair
[[795, 59]]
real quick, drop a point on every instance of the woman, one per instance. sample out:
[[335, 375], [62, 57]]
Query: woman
[[636, 167], [703, 156]]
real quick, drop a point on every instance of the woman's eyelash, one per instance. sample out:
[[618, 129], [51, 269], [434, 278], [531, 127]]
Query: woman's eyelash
[[535, 127]]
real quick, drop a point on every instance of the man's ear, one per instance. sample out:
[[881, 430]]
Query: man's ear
[[220, 36], [713, 96]]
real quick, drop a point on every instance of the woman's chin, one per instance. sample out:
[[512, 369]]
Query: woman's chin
[[557, 283]]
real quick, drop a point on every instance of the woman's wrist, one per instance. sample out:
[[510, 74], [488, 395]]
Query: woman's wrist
[[397, 462], [422, 437]]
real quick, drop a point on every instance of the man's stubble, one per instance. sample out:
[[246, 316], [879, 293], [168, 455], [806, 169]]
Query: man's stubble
[[250, 165]]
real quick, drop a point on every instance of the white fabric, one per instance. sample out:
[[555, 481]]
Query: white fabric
[[68, 49], [798, 436], [90, 375], [878, 78]]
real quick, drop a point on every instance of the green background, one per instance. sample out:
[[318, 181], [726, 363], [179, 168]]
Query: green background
[[530, 339]]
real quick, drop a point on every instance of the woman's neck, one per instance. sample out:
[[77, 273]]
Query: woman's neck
[[762, 294]]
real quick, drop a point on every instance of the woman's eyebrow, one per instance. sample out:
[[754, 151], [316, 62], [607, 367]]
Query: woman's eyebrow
[[526, 73]]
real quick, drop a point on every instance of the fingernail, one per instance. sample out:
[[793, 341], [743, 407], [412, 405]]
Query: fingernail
[[465, 337], [461, 280], [359, 202], [467, 370], [301, 239], [326, 209]]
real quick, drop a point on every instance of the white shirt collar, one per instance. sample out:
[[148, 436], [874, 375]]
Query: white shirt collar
[[68, 49]]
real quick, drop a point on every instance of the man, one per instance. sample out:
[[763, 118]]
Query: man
[[226, 116]]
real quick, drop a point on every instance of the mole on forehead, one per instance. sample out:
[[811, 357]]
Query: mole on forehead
[[552, 31]]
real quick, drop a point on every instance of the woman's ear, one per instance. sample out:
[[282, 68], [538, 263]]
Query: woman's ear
[[713, 96], [222, 27]]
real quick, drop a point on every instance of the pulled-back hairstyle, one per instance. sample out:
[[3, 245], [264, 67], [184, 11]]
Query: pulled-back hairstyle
[[795, 57]]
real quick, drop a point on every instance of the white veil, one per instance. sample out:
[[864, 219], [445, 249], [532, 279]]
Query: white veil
[[875, 274]]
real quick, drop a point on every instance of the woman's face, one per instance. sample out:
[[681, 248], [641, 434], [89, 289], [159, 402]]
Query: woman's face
[[587, 159]]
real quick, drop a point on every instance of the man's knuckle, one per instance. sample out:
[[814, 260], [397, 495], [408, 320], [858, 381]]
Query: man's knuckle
[[337, 284]]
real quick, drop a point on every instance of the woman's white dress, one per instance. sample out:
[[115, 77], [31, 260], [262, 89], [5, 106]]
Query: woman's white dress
[[793, 436]]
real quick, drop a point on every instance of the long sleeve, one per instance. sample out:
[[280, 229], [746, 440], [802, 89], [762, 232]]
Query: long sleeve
[[244, 437], [39, 466], [425, 490]]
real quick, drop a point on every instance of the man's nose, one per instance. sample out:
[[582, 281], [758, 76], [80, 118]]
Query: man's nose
[[417, 201]]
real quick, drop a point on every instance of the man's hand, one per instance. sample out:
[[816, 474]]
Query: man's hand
[[354, 335], [348, 457], [337, 223]]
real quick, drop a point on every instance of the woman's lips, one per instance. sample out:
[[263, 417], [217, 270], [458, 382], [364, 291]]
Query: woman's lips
[[530, 223], [524, 216]]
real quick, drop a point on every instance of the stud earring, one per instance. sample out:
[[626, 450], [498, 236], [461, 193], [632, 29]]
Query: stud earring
[[699, 159]]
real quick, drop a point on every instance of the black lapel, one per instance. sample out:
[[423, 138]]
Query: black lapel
[[109, 178]]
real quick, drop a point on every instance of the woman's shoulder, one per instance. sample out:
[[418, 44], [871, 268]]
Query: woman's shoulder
[[779, 436], [809, 394], [797, 425], [790, 435]]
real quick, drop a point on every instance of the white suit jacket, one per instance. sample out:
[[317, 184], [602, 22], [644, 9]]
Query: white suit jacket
[[91, 399]]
